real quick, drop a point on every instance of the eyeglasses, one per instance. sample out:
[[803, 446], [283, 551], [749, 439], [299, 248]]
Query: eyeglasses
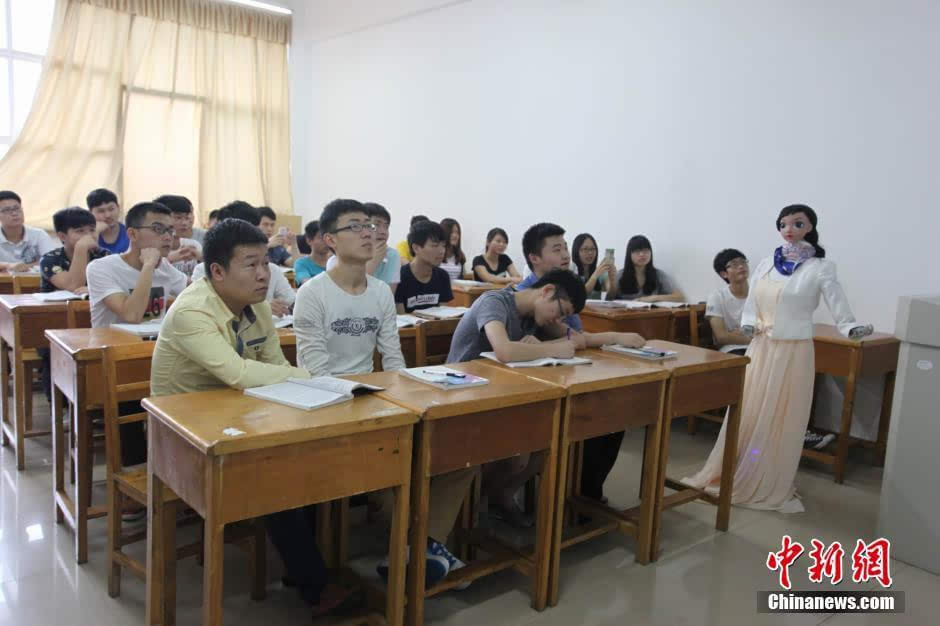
[[11, 210], [383, 226], [357, 227], [160, 230], [736, 264], [585, 249], [561, 311]]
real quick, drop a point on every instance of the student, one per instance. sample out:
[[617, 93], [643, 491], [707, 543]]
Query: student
[[21, 247], [219, 333], [494, 266], [404, 250], [280, 294], [385, 263], [341, 317], [185, 255], [112, 234], [134, 286], [309, 266], [640, 280], [597, 277], [183, 217], [545, 249], [64, 268], [213, 218], [423, 283], [454, 258], [280, 245], [726, 304]]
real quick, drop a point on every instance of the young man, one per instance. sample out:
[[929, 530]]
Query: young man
[[219, 333], [112, 234], [213, 218], [545, 249], [134, 286], [315, 261], [280, 246], [21, 247], [341, 317], [64, 267], [385, 263], [725, 305], [280, 294], [423, 283], [404, 250], [181, 210]]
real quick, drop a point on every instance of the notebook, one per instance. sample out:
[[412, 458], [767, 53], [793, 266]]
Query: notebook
[[670, 305], [404, 321], [283, 321], [442, 312], [312, 393], [618, 304], [60, 296], [547, 361], [443, 377], [646, 352], [144, 329], [467, 283]]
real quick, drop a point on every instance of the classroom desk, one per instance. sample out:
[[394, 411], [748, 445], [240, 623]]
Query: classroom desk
[[837, 355], [279, 458], [29, 282], [288, 344], [466, 295], [23, 318], [699, 380], [679, 325], [289, 275], [460, 428], [593, 393]]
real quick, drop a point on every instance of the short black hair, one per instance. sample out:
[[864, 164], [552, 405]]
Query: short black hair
[[419, 218], [100, 196], [136, 217], [6, 194], [336, 209], [73, 217], [375, 209], [311, 229], [214, 214], [421, 232], [268, 212], [302, 244], [534, 239], [176, 204], [240, 210], [218, 246], [567, 287], [723, 258]]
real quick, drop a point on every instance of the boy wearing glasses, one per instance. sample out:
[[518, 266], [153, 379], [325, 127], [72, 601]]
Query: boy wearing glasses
[[21, 246], [725, 305], [134, 286], [423, 283], [385, 263]]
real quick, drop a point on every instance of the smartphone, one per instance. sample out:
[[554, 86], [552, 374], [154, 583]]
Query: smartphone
[[282, 231], [609, 255]]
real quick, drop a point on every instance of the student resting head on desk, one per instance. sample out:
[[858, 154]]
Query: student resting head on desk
[[640, 280], [220, 333], [341, 318]]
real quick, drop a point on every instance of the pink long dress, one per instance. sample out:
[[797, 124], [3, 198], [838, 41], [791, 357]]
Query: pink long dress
[[778, 393]]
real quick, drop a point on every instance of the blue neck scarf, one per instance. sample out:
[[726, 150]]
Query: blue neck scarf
[[786, 264]]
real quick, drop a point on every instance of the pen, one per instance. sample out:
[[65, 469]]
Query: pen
[[653, 352], [451, 374]]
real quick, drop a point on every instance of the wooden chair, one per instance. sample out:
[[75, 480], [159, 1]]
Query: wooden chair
[[78, 313], [127, 378], [433, 341]]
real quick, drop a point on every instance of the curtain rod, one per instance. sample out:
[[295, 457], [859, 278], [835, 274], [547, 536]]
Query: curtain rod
[[264, 6]]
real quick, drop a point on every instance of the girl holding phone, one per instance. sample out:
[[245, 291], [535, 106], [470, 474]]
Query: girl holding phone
[[597, 277]]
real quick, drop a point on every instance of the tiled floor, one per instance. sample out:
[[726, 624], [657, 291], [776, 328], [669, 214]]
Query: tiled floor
[[703, 576]]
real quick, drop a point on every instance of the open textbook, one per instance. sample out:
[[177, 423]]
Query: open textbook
[[635, 304], [311, 393], [60, 296], [547, 361], [284, 321], [443, 377], [149, 328], [404, 321], [466, 284], [442, 312], [646, 352]]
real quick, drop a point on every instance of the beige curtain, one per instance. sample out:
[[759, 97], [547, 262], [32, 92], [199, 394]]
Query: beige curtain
[[149, 97]]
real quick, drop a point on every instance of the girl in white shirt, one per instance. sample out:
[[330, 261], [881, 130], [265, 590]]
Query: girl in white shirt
[[778, 386], [454, 258]]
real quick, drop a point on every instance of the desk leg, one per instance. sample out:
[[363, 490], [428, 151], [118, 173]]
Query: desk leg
[[395, 596], [83, 485], [213, 545], [561, 502], [648, 482], [418, 534], [5, 392], [19, 400], [544, 526], [59, 450], [161, 555], [665, 426], [848, 406], [884, 420], [727, 466]]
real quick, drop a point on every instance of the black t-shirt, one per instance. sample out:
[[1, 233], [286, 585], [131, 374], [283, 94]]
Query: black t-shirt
[[55, 261], [414, 294], [502, 266]]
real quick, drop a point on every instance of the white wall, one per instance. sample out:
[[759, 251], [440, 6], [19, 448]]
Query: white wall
[[687, 121]]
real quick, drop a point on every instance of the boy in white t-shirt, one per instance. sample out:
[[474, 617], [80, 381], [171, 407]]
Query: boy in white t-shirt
[[134, 286], [725, 304], [21, 246]]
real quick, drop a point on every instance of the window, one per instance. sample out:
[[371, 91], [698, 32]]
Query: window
[[24, 37]]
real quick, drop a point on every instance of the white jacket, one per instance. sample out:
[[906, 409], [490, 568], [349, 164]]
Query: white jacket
[[799, 299]]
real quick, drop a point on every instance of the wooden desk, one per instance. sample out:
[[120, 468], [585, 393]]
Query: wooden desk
[[279, 458], [651, 323], [875, 355], [685, 324], [700, 380], [463, 428], [590, 409], [28, 280], [288, 344], [23, 319], [466, 295]]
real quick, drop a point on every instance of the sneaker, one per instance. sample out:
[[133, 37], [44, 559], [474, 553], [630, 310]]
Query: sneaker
[[453, 563], [825, 441], [811, 439], [435, 569]]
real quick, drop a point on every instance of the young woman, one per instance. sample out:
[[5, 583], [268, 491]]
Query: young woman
[[640, 280], [597, 277], [454, 258], [494, 266], [778, 386]]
